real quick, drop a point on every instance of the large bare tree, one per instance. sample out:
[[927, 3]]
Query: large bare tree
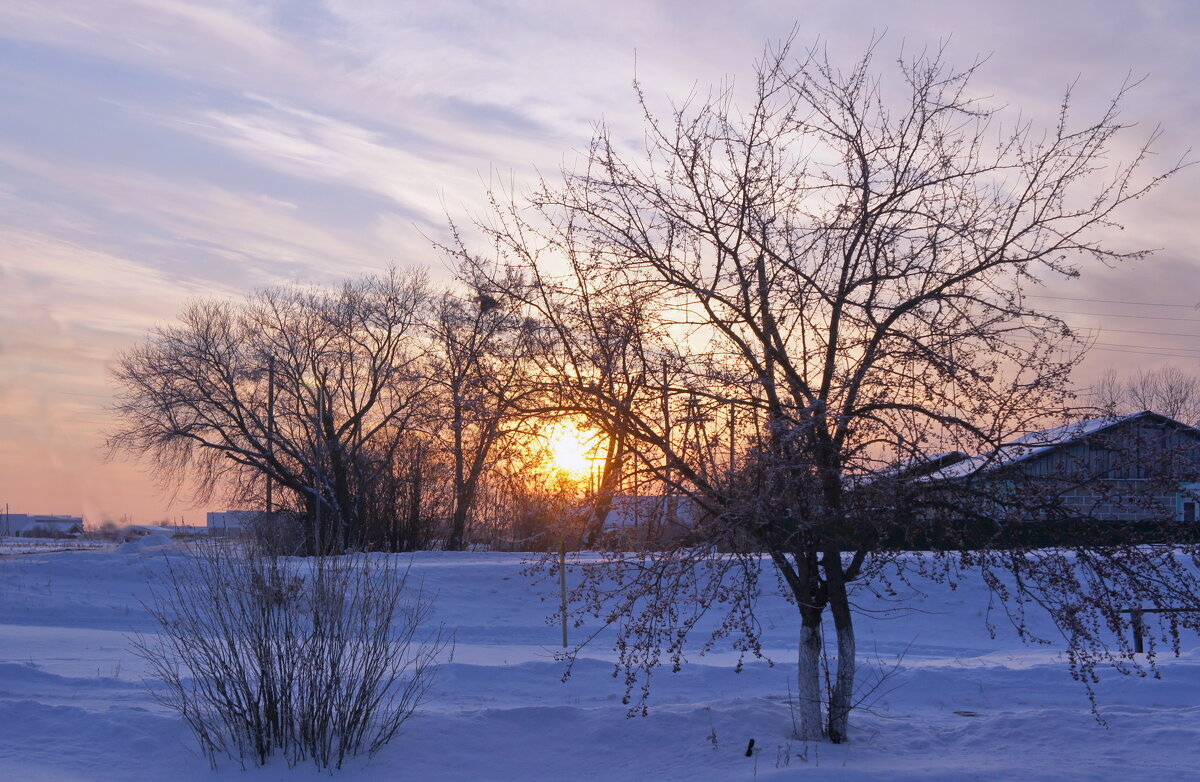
[[785, 310], [308, 392]]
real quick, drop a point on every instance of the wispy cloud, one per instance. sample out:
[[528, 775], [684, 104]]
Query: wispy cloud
[[308, 145]]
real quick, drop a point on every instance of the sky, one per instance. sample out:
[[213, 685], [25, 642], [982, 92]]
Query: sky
[[157, 151]]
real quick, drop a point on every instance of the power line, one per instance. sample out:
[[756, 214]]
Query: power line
[[1116, 315], [1115, 301], [1144, 350], [1147, 353], [1152, 333], [1145, 347]]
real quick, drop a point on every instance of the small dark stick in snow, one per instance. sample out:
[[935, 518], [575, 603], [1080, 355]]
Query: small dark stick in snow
[[750, 749]]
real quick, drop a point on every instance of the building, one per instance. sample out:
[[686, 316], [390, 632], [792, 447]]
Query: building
[[231, 522], [1102, 481], [1119, 479], [647, 521], [40, 525]]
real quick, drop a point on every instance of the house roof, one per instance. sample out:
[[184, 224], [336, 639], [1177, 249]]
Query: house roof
[[1037, 443], [25, 523], [917, 466], [49, 522]]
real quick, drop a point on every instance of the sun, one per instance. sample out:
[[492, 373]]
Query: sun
[[572, 450]]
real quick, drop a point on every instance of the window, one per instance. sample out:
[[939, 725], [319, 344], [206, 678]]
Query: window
[[1187, 503]]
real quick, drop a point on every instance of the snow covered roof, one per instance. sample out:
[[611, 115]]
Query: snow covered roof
[[16, 523], [1036, 443], [922, 464], [53, 525]]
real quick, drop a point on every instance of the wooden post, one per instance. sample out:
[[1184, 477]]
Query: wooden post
[[562, 580], [1137, 621], [1138, 627]]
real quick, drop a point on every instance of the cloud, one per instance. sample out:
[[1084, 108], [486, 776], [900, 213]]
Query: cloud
[[241, 239], [218, 42], [308, 145]]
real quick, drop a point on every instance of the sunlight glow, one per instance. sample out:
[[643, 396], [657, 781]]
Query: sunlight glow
[[572, 450]]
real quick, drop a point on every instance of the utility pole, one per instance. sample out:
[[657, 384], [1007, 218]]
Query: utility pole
[[668, 507], [270, 433], [317, 474], [732, 432]]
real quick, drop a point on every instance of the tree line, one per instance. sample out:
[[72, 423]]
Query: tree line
[[380, 414]]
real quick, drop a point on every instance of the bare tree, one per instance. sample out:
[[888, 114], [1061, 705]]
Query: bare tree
[[1167, 390], [408, 506], [822, 289], [479, 363], [307, 391]]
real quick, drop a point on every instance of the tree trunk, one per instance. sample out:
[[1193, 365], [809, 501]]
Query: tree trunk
[[414, 535], [458, 519], [811, 725], [458, 526], [317, 527], [613, 462], [465, 490], [841, 699]]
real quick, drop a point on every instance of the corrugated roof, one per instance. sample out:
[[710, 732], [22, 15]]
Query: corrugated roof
[[1033, 444]]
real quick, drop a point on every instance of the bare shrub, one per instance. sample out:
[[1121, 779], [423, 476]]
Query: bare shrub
[[310, 659], [279, 533]]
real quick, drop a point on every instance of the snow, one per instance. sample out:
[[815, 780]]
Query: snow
[[149, 542], [30, 545], [960, 705]]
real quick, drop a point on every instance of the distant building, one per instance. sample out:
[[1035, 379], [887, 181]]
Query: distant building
[[26, 525], [646, 521], [232, 522]]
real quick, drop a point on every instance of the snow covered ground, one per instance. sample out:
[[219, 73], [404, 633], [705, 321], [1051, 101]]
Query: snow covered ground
[[32, 545], [961, 705]]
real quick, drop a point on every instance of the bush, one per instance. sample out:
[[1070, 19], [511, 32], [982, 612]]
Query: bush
[[311, 659]]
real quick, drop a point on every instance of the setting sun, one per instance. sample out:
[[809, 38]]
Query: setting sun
[[572, 450]]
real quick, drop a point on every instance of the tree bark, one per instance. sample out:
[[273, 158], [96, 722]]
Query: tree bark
[[811, 725], [841, 699]]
